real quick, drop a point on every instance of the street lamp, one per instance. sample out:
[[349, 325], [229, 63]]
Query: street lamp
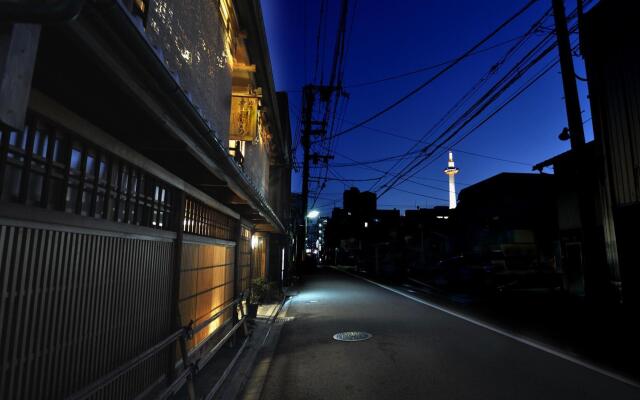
[[312, 214]]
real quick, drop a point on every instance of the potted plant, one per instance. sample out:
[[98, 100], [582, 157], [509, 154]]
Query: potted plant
[[257, 294]]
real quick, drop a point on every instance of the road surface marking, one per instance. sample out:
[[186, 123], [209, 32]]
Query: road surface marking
[[502, 332]]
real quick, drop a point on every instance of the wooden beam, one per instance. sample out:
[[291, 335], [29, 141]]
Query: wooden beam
[[18, 50], [244, 67]]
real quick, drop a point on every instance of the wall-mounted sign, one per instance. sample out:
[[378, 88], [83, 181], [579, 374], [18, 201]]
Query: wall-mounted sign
[[244, 118]]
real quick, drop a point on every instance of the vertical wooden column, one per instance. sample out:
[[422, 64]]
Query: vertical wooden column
[[237, 273], [178, 224], [18, 50]]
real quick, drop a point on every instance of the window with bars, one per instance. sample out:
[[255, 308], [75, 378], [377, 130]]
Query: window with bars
[[203, 220], [48, 167]]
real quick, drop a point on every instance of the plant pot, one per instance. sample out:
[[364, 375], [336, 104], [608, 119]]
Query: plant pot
[[252, 310]]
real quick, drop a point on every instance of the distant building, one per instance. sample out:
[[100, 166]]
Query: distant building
[[509, 218], [359, 203], [361, 235], [428, 236]]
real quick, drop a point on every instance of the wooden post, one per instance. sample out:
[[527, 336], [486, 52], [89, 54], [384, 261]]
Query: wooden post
[[237, 290], [18, 50], [178, 224]]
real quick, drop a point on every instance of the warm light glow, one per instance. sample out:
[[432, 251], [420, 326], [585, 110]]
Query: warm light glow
[[254, 241], [313, 214], [227, 14], [282, 266]]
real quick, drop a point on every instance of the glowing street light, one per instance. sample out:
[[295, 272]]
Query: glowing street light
[[313, 214]]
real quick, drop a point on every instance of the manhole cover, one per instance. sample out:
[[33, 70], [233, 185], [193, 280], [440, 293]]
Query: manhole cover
[[352, 336]]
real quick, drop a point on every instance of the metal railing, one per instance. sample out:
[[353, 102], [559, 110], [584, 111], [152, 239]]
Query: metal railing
[[189, 368]]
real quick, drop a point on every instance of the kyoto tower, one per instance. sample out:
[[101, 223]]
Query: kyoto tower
[[452, 171]]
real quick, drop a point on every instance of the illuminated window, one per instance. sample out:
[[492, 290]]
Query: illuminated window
[[46, 166], [140, 8], [228, 23], [237, 150]]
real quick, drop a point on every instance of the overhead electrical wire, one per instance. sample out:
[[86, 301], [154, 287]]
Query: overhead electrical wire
[[441, 72], [508, 101], [516, 75], [484, 79], [331, 108], [408, 172], [428, 67]]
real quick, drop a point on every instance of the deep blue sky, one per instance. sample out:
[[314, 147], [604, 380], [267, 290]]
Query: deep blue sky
[[390, 38]]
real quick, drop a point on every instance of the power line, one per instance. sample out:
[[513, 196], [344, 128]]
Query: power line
[[492, 158], [440, 73], [428, 67], [415, 182], [420, 194], [518, 72], [406, 155], [479, 106], [475, 88], [345, 179], [508, 101]]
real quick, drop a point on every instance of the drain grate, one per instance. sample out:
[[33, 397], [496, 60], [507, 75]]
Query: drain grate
[[353, 336]]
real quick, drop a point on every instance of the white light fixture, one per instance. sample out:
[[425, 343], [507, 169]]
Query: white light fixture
[[366, 224], [313, 214], [254, 241]]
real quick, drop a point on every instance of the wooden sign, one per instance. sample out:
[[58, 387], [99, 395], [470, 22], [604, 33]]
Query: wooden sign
[[244, 118]]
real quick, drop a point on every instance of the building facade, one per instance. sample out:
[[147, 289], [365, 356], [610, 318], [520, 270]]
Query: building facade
[[144, 182], [612, 60]]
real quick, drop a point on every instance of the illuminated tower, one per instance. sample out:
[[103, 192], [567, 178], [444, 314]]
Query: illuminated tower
[[452, 171]]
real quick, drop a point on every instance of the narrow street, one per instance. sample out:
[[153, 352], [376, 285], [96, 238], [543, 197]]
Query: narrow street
[[416, 352]]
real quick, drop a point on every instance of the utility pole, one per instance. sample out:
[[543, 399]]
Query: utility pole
[[307, 119], [310, 128], [581, 160], [572, 102]]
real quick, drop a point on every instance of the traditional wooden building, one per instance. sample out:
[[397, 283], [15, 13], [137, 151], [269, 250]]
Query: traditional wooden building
[[144, 181]]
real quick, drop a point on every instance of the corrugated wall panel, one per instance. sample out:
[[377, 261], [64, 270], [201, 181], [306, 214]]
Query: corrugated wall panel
[[76, 305], [617, 87]]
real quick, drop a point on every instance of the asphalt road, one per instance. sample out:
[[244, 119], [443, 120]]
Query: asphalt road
[[416, 352]]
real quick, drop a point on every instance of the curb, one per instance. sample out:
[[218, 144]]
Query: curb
[[243, 373]]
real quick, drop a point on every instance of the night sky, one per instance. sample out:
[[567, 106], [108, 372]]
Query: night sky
[[391, 38]]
